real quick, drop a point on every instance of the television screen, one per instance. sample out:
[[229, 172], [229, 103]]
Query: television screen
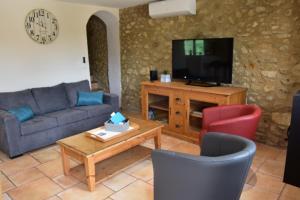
[[205, 60]]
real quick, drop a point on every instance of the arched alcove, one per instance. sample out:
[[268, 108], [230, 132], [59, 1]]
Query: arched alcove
[[113, 46], [98, 53]]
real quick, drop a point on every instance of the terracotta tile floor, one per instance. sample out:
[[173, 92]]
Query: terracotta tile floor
[[38, 175]]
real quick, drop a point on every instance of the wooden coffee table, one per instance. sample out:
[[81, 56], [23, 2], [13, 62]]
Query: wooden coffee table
[[90, 151]]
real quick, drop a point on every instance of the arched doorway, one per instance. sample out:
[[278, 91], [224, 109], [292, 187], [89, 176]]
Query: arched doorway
[[98, 53], [113, 49]]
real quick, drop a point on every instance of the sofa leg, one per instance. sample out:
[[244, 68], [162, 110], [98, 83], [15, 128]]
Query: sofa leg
[[17, 156]]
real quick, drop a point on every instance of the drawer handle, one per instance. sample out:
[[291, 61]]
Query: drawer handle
[[177, 126], [177, 112], [178, 99]]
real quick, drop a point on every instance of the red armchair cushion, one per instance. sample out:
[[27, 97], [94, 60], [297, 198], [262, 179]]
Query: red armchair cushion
[[233, 119]]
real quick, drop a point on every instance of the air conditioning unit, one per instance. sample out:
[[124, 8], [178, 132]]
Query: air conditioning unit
[[170, 8]]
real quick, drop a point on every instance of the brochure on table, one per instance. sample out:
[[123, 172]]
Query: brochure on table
[[106, 135]]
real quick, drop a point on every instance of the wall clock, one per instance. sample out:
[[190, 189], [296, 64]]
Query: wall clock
[[41, 26]]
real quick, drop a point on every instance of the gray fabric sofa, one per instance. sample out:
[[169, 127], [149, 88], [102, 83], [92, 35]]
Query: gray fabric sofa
[[56, 116], [218, 173]]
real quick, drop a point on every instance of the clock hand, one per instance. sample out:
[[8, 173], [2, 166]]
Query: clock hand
[[41, 25], [38, 23]]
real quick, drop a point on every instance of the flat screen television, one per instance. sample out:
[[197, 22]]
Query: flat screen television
[[203, 60]]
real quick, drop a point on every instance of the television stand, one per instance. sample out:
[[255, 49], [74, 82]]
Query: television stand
[[202, 84], [179, 106]]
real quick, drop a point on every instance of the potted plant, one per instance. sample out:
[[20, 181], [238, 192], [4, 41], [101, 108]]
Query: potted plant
[[165, 77]]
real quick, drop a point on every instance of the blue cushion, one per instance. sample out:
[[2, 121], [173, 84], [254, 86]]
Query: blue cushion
[[90, 98], [10, 100], [72, 90], [23, 113]]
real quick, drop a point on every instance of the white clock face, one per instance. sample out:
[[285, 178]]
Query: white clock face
[[41, 25]]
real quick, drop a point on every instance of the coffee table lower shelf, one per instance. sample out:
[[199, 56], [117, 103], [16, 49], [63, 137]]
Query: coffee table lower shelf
[[90, 160]]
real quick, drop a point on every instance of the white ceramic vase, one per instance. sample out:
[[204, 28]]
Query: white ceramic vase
[[165, 78]]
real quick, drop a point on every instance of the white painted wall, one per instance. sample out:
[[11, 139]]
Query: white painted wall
[[112, 3], [26, 64]]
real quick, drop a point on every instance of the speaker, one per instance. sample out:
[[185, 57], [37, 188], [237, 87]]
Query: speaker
[[292, 164], [153, 75]]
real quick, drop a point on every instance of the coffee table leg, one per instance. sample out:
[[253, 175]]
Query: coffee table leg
[[89, 166], [157, 139], [65, 161]]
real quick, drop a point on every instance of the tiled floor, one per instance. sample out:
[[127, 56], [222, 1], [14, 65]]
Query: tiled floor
[[38, 175]]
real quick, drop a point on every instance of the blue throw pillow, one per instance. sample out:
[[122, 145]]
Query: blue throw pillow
[[89, 98], [22, 113]]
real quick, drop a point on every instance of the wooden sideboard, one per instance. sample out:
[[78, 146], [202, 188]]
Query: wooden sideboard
[[180, 106]]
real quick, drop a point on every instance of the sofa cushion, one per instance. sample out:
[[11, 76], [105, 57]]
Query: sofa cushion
[[72, 90], [50, 99], [90, 98], [22, 113], [37, 124], [96, 110], [68, 116], [11, 100]]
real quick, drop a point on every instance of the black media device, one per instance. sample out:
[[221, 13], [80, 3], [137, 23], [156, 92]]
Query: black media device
[[203, 60], [153, 75]]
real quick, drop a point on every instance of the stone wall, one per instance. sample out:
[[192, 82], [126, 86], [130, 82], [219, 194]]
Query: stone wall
[[266, 52], [98, 53]]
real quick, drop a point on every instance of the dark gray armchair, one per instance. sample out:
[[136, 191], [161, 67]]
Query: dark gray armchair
[[219, 173]]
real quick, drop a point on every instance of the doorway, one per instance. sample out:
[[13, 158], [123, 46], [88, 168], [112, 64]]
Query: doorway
[[111, 21], [98, 53]]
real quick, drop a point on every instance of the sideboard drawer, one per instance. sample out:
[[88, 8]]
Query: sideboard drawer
[[178, 99], [177, 124], [178, 111]]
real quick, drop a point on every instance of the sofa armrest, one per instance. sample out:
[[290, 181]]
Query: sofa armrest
[[112, 99], [9, 134]]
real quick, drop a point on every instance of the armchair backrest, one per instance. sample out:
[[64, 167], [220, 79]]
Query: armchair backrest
[[227, 112], [229, 158], [218, 144], [219, 173], [233, 119]]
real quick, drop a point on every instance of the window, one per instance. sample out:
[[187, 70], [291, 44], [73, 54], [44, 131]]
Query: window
[[199, 47], [194, 47], [189, 47]]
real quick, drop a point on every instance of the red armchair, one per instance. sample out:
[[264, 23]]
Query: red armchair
[[233, 119]]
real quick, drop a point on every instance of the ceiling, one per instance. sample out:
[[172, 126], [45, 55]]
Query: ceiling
[[112, 3]]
